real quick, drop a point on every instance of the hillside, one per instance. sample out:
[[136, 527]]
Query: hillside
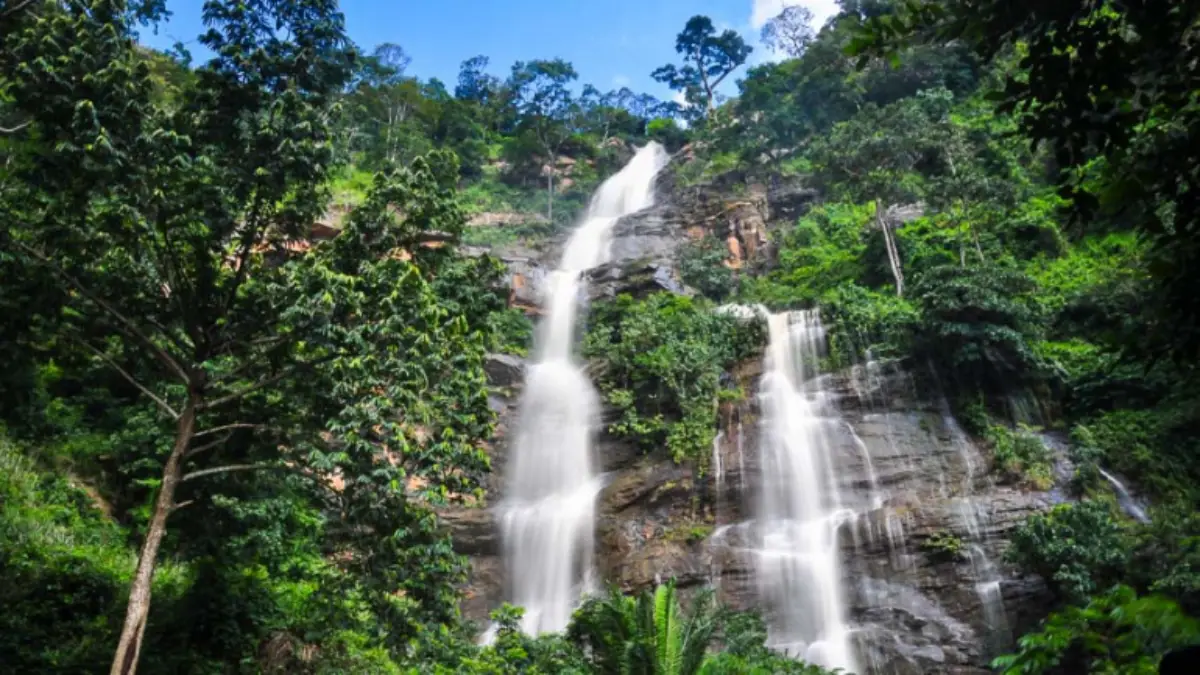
[[886, 363]]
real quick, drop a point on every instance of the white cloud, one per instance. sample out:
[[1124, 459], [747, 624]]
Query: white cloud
[[619, 81], [763, 11]]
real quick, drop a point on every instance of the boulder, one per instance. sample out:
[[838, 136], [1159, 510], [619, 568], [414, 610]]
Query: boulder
[[504, 370]]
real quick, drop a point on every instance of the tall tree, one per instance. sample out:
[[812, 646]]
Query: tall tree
[[790, 32], [708, 57], [474, 83], [385, 101], [548, 109], [169, 233]]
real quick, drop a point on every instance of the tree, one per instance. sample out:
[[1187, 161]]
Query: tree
[[708, 59], [548, 109], [978, 322], [790, 32], [474, 84], [1078, 549], [1107, 88], [648, 634], [783, 106], [484, 93], [169, 234], [1117, 632], [385, 78]]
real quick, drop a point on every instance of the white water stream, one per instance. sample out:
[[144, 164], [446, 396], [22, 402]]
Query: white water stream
[[800, 510], [547, 517], [1128, 504]]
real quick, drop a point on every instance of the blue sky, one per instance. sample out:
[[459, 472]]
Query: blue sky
[[613, 43]]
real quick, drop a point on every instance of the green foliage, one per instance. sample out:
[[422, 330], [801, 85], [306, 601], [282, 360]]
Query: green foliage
[[1165, 556], [1077, 548], [667, 131], [1152, 447], [1123, 148], [886, 153], [661, 363], [646, 634], [1117, 632], [475, 289], [513, 652], [977, 322], [863, 320], [689, 534], [701, 266], [64, 568], [821, 253], [1021, 455], [943, 545], [295, 414], [744, 637], [709, 58]]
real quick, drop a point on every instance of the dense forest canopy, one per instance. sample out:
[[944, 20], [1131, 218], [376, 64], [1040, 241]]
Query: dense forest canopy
[[243, 334]]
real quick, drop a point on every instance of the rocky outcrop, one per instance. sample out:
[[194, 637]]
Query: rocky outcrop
[[502, 218], [907, 474], [504, 370]]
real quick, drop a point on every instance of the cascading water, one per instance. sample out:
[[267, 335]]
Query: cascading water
[[1128, 504], [800, 511], [547, 518]]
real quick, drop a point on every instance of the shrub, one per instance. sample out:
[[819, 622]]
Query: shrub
[[661, 362], [943, 545], [1077, 548], [1117, 632], [977, 325], [701, 266], [1021, 455]]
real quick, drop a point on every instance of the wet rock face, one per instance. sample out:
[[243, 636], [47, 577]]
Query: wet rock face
[[908, 474], [912, 609], [905, 471]]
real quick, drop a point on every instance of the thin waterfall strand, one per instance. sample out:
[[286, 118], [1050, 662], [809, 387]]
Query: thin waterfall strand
[[799, 567]]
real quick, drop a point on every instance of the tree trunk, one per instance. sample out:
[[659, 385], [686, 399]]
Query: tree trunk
[[892, 251], [130, 644], [978, 248], [550, 195]]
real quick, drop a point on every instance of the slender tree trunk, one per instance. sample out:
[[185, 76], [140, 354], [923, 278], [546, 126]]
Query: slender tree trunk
[[708, 89], [550, 195], [892, 251], [130, 644], [391, 122]]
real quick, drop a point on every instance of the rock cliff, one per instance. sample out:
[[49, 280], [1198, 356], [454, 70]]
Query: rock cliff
[[910, 479]]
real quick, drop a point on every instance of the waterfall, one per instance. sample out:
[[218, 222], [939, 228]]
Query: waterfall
[[800, 510], [1128, 504], [547, 517]]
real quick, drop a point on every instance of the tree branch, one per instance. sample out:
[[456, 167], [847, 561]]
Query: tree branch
[[129, 378], [434, 236], [13, 10], [180, 505], [13, 130], [264, 382], [248, 390], [212, 444], [227, 427], [227, 469], [131, 327]]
